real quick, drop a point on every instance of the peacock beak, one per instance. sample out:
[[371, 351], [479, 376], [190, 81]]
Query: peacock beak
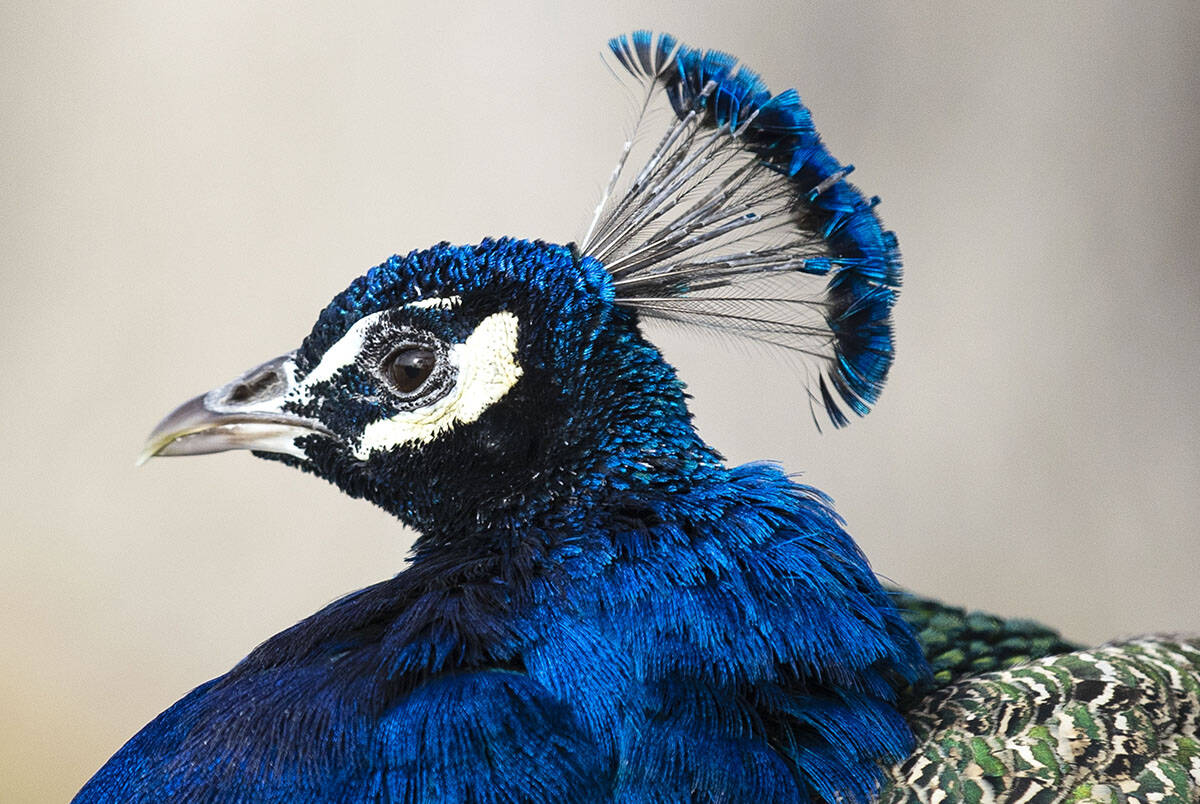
[[244, 414]]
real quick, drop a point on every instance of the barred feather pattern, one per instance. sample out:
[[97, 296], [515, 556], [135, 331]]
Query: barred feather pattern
[[1120, 723], [958, 643], [740, 221]]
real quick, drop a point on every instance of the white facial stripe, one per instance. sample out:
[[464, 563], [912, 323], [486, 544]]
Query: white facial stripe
[[338, 356], [444, 303], [343, 353], [487, 368]]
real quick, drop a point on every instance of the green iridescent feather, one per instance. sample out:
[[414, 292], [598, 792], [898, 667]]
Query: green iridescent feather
[[958, 642], [1017, 714]]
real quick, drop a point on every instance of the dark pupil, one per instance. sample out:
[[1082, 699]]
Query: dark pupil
[[410, 366]]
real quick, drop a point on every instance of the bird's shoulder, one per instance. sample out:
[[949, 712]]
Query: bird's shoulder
[[1116, 723], [958, 642]]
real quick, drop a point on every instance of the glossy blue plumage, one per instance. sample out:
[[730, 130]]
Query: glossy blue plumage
[[659, 661], [597, 609]]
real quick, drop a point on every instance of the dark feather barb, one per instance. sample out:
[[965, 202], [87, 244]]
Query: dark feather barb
[[740, 188], [776, 337], [744, 325]]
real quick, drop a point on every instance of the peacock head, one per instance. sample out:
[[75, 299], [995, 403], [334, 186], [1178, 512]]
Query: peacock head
[[466, 383], [459, 383]]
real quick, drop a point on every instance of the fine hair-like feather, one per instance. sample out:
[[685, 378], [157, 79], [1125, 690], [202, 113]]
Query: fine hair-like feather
[[739, 220]]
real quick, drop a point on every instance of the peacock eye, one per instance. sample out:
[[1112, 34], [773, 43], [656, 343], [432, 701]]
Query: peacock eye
[[409, 366]]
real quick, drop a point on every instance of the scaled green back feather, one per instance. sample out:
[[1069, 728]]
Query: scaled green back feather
[[1017, 714]]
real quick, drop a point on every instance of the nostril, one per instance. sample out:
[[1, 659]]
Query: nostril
[[262, 384]]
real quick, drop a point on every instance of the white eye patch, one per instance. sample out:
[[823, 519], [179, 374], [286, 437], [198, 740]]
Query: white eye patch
[[486, 368]]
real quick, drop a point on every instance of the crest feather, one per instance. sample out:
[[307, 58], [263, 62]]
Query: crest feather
[[739, 220]]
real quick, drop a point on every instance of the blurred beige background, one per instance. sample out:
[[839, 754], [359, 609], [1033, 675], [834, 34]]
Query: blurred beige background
[[186, 185]]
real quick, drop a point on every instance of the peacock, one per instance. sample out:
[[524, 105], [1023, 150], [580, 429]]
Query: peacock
[[598, 608]]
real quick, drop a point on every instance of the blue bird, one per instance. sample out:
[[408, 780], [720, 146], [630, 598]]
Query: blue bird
[[598, 608]]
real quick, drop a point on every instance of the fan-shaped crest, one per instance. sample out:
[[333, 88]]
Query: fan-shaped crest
[[739, 220]]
